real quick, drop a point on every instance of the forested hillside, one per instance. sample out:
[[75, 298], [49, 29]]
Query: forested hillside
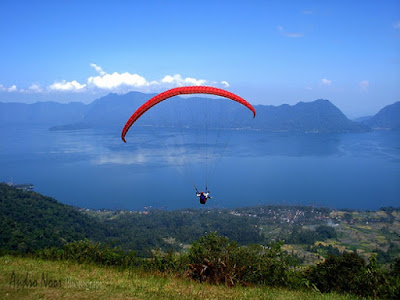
[[31, 221]]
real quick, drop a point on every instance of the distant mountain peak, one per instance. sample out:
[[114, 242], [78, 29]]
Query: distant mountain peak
[[387, 118], [317, 116]]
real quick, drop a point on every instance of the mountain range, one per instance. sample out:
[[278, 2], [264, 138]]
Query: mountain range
[[114, 110]]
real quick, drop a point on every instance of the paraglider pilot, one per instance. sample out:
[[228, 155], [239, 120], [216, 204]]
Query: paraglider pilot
[[203, 196]]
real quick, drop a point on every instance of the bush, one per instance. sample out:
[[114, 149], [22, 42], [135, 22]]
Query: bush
[[349, 273], [165, 262], [88, 252], [215, 259], [394, 280], [336, 273], [210, 259]]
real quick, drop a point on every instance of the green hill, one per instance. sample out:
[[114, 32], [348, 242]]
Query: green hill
[[30, 221]]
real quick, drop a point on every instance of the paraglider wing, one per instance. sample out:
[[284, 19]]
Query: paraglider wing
[[180, 91]]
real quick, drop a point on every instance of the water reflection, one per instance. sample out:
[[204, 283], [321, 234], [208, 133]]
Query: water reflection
[[94, 168]]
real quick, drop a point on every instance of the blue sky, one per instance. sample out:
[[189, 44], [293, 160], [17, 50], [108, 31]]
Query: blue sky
[[268, 52]]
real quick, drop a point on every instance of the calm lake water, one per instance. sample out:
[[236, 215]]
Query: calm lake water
[[93, 168]]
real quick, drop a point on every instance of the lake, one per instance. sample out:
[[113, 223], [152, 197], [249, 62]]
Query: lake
[[93, 168]]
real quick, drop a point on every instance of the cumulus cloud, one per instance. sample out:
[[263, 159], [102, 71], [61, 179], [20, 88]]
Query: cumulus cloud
[[283, 32], [98, 69], [10, 89], [35, 88], [117, 82], [179, 81], [67, 86], [326, 82], [364, 85], [123, 81]]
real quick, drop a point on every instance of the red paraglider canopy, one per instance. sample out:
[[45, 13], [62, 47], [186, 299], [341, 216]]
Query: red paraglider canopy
[[180, 91]]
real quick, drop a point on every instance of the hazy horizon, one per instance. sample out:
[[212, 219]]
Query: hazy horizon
[[80, 97]]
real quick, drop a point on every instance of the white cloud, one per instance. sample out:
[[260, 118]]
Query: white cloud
[[117, 80], [179, 81], [396, 25], [364, 85], [325, 81], [98, 69], [289, 34], [35, 88], [67, 86], [10, 89], [122, 81]]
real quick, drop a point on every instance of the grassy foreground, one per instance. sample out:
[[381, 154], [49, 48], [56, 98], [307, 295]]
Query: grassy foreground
[[26, 278]]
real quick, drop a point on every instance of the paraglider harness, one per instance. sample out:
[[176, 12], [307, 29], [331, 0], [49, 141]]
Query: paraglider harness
[[203, 196]]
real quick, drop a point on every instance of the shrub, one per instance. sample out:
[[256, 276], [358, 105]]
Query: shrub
[[88, 252], [217, 260], [349, 273], [165, 262]]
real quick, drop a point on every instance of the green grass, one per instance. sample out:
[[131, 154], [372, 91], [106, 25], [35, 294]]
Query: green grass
[[66, 280]]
